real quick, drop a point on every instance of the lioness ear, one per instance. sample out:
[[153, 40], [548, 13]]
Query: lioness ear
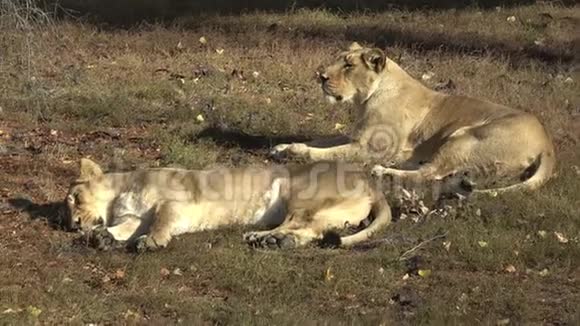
[[354, 46], [375, 59], [89, 170]]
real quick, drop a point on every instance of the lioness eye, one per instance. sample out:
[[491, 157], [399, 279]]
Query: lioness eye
[[348, 65]]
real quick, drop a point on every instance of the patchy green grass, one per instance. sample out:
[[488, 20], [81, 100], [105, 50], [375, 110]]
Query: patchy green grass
[[146, 96]]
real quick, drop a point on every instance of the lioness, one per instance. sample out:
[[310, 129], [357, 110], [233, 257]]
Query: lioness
[[145, 208], [425, 135]]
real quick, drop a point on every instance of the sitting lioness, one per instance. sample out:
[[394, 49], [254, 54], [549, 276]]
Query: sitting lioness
[[145, 208], [425, 135]]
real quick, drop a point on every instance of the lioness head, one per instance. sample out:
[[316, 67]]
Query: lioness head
[[354, 75], [85, 210]]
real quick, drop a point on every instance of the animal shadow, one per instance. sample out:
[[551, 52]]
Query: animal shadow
[[54, 213]]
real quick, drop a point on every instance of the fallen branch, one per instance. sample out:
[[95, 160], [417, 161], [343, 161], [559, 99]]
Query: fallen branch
[[406, 255]]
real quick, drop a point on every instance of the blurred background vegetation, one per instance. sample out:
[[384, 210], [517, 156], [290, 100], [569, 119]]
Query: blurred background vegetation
[[127, 12]]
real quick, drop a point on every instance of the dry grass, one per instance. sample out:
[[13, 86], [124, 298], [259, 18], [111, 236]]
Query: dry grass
[[130, 97]]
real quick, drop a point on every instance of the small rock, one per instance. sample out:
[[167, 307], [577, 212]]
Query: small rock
[[544, 272], [510, 269], [511, 19], [67, 280], [199, 118], [482, 243], [203, 40], [164, 272], [219, 51], [256, 74], [177, 272], [179, 46]]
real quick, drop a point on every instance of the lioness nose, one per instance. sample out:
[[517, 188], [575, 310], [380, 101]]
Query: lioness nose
[[75, 225], [323, 77]]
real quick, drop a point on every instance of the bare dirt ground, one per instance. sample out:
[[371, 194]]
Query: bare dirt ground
[[164, 94]]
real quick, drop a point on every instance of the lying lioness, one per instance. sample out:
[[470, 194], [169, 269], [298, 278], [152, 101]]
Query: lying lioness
[[147, 207], [426, 135]]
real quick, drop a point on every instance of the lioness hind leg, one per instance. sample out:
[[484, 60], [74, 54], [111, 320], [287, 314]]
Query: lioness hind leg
[[292, 233], [304, 226]]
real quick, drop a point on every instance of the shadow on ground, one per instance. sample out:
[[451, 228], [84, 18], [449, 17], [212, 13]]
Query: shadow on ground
[[54, 213], [232, 138]]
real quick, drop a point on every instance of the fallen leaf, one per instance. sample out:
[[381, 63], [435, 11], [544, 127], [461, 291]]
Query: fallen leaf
[[544, 272], [219, 51], [510, 269], [131, 314], [503, 322], [199, 118], [482, 243], [256, 74], [164, 272], [179, 46], [328, 276], [177, 272], [511, 19], [119, 274], [381, 270], [406, 276], [34, 311], [561, 238], [542, 233], [424, 272], [447, 245], [338, 126], [428, 75], [203, 40], [67, 280], [11, 311]]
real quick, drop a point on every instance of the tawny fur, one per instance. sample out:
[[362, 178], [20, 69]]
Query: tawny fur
[[301, 202], [415, 132]]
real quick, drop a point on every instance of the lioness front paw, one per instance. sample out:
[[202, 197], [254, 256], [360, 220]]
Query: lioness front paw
[[145, 243], [102, 239], [270, 240]]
